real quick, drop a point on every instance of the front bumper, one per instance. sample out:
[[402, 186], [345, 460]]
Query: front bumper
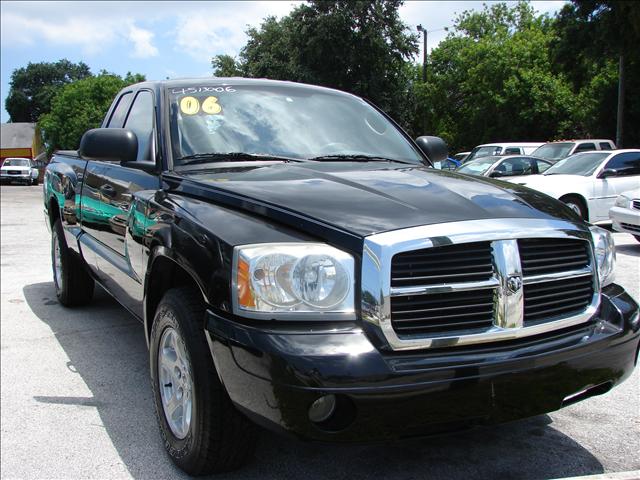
[[26, 177], [627, 216], [274, 376]]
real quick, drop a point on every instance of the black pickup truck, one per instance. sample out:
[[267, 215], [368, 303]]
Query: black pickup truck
[[298, 264]]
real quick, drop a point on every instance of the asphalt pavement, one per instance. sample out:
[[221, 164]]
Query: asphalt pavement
[[76, 401]]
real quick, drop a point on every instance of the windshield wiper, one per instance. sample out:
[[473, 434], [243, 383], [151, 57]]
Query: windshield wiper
[[231, 157], [358, 158]]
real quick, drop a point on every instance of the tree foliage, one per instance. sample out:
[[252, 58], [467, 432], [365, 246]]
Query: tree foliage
[[492, 79], [32, 88], [591, 38], [358, 46], [80, 106]]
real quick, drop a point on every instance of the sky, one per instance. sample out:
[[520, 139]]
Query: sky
[[164, 39]]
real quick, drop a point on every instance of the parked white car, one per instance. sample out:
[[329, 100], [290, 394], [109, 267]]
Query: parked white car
[[589, 182], [625, 214], [510, 148], [19, 170], [556, 151]]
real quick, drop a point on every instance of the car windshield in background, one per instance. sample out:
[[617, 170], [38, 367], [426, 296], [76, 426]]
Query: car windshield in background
[[553, 151], [582, 164], [479, 152], [479, 166], [15, 162], [280, 121]]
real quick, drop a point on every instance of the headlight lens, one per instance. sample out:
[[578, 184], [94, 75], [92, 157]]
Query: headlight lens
[[301, 280], [605, 254], [622, 201]]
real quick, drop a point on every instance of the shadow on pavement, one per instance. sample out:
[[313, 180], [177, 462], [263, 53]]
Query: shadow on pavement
[[631, 250], [106, 347]]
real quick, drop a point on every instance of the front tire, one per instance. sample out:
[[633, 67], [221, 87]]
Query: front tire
[[201, 430], [74, 286]]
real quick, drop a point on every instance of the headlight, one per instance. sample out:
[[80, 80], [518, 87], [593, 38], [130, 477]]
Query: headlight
[[605, 252], [297, 280], [622, 201]]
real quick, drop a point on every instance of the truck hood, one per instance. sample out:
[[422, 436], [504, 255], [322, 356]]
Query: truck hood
[[367, 198]]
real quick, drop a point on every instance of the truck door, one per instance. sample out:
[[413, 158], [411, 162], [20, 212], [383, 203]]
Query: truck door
[[108, 203]]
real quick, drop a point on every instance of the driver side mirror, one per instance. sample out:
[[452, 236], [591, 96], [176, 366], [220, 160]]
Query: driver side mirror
[[109, 144], [608, 172], [434, 148], [496, 174]]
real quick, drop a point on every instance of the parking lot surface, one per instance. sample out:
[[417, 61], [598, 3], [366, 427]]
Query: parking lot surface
[[76, 400]]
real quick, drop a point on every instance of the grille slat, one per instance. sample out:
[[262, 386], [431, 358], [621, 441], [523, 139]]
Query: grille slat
[[542, 255], [448, 263], [636, 204], [547, 300]]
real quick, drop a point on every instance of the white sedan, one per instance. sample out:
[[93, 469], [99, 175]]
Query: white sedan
[[589, 182], [625, 214]]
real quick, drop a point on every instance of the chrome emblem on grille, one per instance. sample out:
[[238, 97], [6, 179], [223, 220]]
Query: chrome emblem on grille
[[514, 283]]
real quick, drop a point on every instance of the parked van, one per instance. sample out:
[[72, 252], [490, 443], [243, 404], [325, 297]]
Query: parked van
[[555, 151], [510, 148]]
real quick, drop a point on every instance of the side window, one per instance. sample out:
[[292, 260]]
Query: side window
[[605, 146], [140, 122], [120, 112], [625, 163], [542, 166], [585, 147], [515, 166], [512, 151]]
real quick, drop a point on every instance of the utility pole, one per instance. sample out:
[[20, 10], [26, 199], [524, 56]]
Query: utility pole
[[424, 72], [620, 114]]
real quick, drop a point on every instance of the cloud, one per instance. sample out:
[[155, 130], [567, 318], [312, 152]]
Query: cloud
[[88, 30], [220, 28], [141, 39]]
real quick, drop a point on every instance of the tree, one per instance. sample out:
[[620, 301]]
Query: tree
[[225, 66], [492, 79], [32, 88], [594, 40], [80, 106], [358, 46]]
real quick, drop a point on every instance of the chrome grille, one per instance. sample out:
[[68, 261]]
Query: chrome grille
[[450, 263], [478, 281], [636, 204], [629, 226]]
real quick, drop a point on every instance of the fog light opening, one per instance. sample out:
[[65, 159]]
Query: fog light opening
[[332, 413], [321, 410]]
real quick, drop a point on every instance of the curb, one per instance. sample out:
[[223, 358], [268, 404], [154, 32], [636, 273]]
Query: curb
[[630, 475]]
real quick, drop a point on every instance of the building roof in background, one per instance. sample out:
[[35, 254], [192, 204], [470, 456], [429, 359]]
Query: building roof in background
[[17, 135]]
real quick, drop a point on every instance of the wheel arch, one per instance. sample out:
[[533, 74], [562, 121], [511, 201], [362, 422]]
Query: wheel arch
[[165, 272], [580, 198]]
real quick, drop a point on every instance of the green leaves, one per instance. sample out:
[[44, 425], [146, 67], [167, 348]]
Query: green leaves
[[80, 106], [32, 88]]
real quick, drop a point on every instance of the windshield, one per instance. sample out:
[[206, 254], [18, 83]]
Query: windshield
[[280, 121], [582, 164], [553, 151], [478, 167], [479, 152], [16, 162]]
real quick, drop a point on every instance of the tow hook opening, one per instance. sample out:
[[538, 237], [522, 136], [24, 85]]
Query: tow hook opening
[[585, 393]]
